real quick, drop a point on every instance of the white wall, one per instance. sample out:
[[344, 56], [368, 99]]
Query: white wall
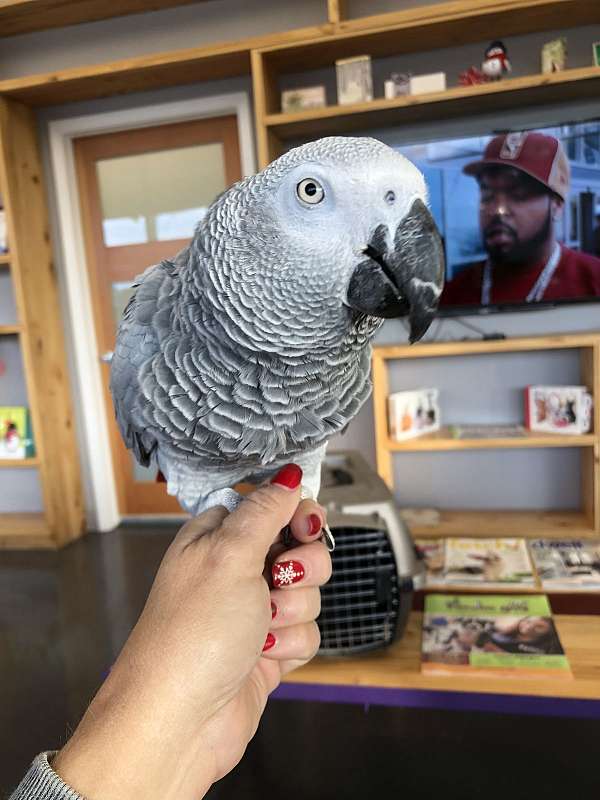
[[536, 477]]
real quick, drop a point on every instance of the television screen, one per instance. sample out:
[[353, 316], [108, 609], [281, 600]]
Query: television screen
[[519, 214]]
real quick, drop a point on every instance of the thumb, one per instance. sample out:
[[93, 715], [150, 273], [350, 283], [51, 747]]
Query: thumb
[[257, 521]]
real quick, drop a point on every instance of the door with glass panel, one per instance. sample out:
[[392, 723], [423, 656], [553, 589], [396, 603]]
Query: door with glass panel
[[141, 193]]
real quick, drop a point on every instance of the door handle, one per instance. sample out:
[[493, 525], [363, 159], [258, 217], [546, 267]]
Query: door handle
[[107, 357]]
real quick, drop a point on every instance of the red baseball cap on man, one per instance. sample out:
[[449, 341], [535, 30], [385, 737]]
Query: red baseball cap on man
[[538, 155]]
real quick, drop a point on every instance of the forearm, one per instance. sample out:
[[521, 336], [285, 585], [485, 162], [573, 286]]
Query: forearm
[[135, 747]]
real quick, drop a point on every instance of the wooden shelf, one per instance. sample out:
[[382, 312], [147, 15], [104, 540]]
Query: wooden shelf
[[458, 101], [430, 27], [552, 341], [472, 588], [10, 330], [399, 666], [19, 463], [443, 440], [193, 65], [581, 523], [25, 16], [24, 531], [5, 259], [494, 523]]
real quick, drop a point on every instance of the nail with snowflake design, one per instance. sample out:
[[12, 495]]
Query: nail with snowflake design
[[287, 572]]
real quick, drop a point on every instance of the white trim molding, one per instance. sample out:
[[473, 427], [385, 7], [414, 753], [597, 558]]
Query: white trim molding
[[104, 514]]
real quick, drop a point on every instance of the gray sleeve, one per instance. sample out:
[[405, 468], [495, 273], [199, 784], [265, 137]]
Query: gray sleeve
[[42, 783]]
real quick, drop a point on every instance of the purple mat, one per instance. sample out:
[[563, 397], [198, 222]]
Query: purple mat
[[448, 701]]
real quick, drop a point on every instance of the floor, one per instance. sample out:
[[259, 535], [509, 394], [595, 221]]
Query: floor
[[64, 617]]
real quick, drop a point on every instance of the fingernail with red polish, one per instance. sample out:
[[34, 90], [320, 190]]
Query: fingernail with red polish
[[289, 476], [287, 572], [269, 642], [273, 610], [314, 522]]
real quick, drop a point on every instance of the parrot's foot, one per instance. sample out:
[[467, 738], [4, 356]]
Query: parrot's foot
[[221, 497]]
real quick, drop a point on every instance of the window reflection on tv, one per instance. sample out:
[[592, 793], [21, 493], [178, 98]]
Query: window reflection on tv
[[519, 214]]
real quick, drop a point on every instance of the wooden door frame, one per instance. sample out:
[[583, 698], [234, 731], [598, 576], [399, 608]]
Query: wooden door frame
[[97, 466]]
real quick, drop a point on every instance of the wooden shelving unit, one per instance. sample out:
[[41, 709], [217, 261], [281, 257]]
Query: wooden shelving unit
[[413, 30], [40, 340], [577, 524]]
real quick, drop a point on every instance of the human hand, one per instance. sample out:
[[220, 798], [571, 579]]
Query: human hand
[[186, 694]]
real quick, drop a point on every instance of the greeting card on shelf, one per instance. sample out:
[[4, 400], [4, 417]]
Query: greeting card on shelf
[[558, 409], [413, 413], [16, 440]]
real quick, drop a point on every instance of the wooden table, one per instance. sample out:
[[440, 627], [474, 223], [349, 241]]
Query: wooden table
[[398, 667]]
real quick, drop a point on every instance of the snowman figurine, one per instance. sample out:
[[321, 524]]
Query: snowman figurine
[[496, 62]]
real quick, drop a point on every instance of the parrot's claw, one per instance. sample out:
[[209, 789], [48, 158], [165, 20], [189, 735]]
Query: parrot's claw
[[326, 537], [326, 534]]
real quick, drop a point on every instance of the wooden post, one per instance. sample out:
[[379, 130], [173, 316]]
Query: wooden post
[[266, 101], [380, 395], [336, 11], [590, 456]]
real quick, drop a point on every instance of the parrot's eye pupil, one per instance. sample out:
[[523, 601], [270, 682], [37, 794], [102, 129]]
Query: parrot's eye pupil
[[310, 191]]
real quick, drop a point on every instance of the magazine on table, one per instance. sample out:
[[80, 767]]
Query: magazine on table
[[432, 552], [491, 635], [567, 564], [489, 562]]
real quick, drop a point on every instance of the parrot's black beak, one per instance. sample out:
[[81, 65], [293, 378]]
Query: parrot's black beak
[[407, 279]]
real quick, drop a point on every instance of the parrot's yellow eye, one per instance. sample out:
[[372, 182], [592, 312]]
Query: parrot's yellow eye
[[310, 191]]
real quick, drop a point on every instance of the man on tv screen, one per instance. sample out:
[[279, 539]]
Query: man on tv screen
[[523, 182]]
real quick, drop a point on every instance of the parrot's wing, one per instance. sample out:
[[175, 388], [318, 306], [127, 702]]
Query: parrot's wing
[[138, 341]]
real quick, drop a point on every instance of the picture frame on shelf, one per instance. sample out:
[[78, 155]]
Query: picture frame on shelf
[[303, 99], [554, 55], [354, 80], [596, 54], [558, 409], [413, 413]]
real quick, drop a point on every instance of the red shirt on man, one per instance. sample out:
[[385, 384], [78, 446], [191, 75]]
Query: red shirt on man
[[576, 276]]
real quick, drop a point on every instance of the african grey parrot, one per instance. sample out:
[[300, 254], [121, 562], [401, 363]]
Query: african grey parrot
[[251, 347]]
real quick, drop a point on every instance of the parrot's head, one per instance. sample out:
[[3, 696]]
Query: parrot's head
[[332, 232]]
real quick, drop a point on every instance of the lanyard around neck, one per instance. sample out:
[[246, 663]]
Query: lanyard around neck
[[539, 287]]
